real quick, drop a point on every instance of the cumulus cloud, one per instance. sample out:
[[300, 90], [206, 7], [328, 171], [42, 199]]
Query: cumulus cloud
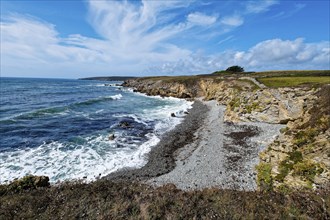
[[274, 54], [140, 38]]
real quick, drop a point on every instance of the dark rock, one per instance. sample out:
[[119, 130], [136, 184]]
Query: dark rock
[[27, 183], [284, 121], [124, 124], [41, 181], [111, 137], [173, 115]]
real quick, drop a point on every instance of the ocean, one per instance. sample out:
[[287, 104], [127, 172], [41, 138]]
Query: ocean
[[60, 128]]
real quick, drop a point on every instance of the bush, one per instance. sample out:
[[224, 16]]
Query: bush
[[264, 176], [307, 169], [235, 69], [26, 183]]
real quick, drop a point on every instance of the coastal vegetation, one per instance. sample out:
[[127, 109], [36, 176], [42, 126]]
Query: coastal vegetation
[[104, 199], [303, 148], [235, 69]]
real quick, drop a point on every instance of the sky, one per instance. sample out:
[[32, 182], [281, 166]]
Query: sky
[[82, 38]]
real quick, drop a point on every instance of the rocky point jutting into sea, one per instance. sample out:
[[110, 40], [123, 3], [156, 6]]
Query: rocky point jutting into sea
[[297, 157]]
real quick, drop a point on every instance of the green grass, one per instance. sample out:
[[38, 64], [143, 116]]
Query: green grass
[[294, 81]]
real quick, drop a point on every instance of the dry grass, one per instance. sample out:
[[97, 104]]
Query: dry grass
[[109, 200]]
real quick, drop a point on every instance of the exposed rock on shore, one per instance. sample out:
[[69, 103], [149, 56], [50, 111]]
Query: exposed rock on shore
[[223, 155], [300, 156]]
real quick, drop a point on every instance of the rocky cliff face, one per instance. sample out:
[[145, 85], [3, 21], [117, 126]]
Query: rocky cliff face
[[163, 88], [246, 102], [300, 156]]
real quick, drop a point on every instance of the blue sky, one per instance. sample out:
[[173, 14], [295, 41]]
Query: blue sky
[[72, 39]]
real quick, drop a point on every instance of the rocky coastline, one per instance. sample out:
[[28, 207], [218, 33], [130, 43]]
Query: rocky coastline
[[161, 158], [205, 167], [246, 101]]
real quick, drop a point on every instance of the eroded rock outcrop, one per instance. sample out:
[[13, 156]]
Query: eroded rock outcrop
[[300, 156], [163, 88]]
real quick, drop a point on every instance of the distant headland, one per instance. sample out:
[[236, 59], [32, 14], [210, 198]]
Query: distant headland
[[109, 78]]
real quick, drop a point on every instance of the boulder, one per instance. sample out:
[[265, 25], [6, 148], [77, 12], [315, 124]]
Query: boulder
[[111, 137], [124, 124], [41, 181]]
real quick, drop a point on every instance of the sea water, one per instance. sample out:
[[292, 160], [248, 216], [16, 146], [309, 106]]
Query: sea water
[[60, 128]]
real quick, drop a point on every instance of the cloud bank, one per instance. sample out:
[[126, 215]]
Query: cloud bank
[[274, 54], [145, 38]]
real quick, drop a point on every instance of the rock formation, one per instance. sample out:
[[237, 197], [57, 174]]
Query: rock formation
[[300, 156]]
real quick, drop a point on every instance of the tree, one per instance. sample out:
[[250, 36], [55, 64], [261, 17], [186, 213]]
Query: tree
[[235, 69]]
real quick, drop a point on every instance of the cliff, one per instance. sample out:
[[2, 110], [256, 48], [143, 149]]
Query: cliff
[[300, 156]]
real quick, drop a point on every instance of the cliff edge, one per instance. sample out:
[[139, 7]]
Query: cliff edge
[[300, 155]]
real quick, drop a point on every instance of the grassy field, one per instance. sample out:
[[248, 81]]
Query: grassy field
[[294, 81], [224, 75], [291, 73]]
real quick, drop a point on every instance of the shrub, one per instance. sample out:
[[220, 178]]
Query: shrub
[[25, 183], [235, 69], [264, 177], [307, 169], [287, 165]]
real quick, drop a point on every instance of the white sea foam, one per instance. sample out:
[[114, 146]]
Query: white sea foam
[[106, 84], [92, 155], [115, 97], [61, 161], [135, 117]]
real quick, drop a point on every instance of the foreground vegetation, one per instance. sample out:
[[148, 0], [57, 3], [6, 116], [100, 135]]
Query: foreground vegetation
[[122, 200]]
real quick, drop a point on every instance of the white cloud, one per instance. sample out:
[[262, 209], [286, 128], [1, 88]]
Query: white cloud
[[289, 12], [201, 19], [229, 38], [259, 6], [275, 54], [136, 30], [135, 36], [132, 36], [234, 20]]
